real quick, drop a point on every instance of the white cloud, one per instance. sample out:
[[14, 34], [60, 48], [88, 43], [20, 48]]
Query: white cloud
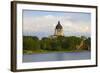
[[47, 24]]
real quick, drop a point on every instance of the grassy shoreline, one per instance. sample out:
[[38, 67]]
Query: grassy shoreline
[[46, 51]]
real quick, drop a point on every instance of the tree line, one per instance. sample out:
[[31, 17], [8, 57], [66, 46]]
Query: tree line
[[60, 43]]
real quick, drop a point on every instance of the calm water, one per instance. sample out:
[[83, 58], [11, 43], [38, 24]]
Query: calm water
[[60, 56]]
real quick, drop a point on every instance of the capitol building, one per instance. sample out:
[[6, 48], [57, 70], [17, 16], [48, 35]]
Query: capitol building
[[58, 31]]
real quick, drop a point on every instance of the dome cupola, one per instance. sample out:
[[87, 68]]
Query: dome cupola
[[58, 26]]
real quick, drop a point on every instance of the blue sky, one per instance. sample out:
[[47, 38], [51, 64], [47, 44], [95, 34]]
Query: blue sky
[[75, 15], [42, 23]]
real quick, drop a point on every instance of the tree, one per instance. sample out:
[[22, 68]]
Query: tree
[[30, 43], [88, 43], [59, 43], [35, 38], [45, 43]]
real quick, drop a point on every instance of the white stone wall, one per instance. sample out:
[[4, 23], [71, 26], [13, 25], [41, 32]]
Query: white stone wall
[[58, 32]]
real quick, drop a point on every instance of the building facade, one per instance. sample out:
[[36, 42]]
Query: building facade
[[58, 30]]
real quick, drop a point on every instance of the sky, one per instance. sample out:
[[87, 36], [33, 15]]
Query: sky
[[43, 23]]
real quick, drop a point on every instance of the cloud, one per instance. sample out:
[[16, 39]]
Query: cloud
[[47, 23]]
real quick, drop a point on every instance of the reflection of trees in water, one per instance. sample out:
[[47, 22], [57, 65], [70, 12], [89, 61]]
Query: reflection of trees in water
[[60, 56]]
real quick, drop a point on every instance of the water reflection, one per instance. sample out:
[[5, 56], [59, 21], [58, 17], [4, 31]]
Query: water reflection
[[60, 56]]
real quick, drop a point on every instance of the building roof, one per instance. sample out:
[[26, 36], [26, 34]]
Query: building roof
[[59, 26]]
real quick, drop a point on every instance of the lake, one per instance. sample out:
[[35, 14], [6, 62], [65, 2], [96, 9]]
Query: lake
[[58, 56]]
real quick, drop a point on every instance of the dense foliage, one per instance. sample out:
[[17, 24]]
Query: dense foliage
[[61, 43]]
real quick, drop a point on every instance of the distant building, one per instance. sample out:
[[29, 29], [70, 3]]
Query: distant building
[[58, 30]]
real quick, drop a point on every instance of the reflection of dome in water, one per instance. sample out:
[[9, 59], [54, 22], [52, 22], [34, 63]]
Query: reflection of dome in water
[[59, 25]]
